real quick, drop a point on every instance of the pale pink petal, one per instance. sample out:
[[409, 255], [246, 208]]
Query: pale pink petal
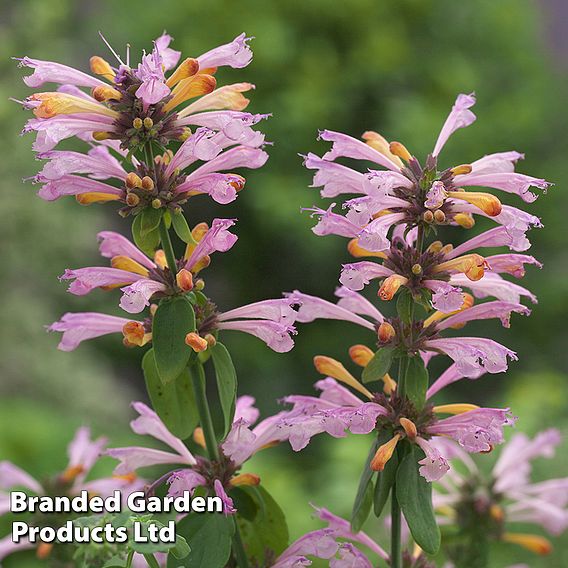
[[460, 116]]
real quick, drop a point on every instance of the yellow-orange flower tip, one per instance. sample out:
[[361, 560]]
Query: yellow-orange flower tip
[[357, 251], [435, 247], [386, 332], [409, 428], [70, 474], [428, 216], [95, 197], [446, 249], [391, 285], [384, 453], [389, 384], [487, 202], [535, 543], [472, 265], [184, 280], [130, 477], [189, 88], [335, 370], [416, 269], [101, 135], [123, 262], [199, 437], [156, 203], [461, 170], [458, 408], [199, 284], [135, 334], [380, 144], [133, 180], [196, 342], [399, 150], [187, 68], [44, 550], [104, 93], [160, 259], [100, 66], [497, 513], [360, 355], [245, 479]]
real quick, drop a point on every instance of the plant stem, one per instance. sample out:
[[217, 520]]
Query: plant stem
[[396, 537], [168, 248], [204, 412], [239, 549]]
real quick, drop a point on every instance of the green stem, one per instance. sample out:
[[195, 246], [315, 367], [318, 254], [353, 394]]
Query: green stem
[[204, 412], [396, 526], [151, 561], [168, 248], [239, 549], [129, 559]]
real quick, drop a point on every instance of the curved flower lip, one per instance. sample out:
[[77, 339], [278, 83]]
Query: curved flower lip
[[76, 185], [236, 54], [494, 285], [114, 244], [496, 237], [451, 375], [78, 327], [217, 239], [496, 309], [355, 276], [312, 308], [276, 335], [87, 279], [459, 117], [50, 72]]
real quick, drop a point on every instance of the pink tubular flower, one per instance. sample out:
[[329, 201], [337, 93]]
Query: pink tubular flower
[[509, 496], [120, 92], [83, 453], [242, 442]]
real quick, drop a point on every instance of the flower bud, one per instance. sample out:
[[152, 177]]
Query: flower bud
[[99, 136], [428, 216], [435, 247], [104, 93], [156, 203], [391, 285], [360, 355], [384, 453], [184, 280], [148, 123], [409, 428], [199, 437], [147, 183], [133, 180], [160, 259], [357, 251], [44, 550], [464, 220], [135, 334], [386, 332], [335, 370], [132, 200], [416, 269], [532, 542], [211, 341], [100, 66], [197, 343], [439, 216], [487, 202], [199, 284], [137, 123]]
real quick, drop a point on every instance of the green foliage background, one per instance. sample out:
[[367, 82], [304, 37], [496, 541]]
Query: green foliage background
[[350, 66]]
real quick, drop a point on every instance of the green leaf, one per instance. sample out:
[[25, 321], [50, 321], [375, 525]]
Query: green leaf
[[364, 497], [209, 536], [182, 228], [149, 220], [173, 402], [384, 483], [416, 381], [414, 494], [226, 383], [267, 536], [148, 243], [115, 562], [173, 320], [379, 365], [246, 503], [404, 305]]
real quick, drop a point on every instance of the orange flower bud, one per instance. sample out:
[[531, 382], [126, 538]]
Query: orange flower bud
[[245, 479], [532, 542], [197, 343], [334, 369], [147, 183], [384, 453], [487, 202], [184, 280], [391, 285], [409, 428], [100, 66], [386, 332], [133, 180], [360, 355], [135, 334], [357, 251], [400, 150]]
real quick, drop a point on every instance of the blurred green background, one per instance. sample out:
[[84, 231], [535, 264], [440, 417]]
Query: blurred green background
[[394, 67]]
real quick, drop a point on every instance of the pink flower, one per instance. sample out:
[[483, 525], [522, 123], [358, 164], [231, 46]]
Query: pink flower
[[236, 54], [459, 117]]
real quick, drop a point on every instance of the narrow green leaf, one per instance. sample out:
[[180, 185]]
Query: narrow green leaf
[[209, 537], [149, 220], [147, 243], [384, 483], [245, 503], [267, 536], [151, 560], [173, 320], [379, 365], [226, 383], [414, 494], [404, 305], [364, 497], [416, 381], [182, 228], [173, 402]]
